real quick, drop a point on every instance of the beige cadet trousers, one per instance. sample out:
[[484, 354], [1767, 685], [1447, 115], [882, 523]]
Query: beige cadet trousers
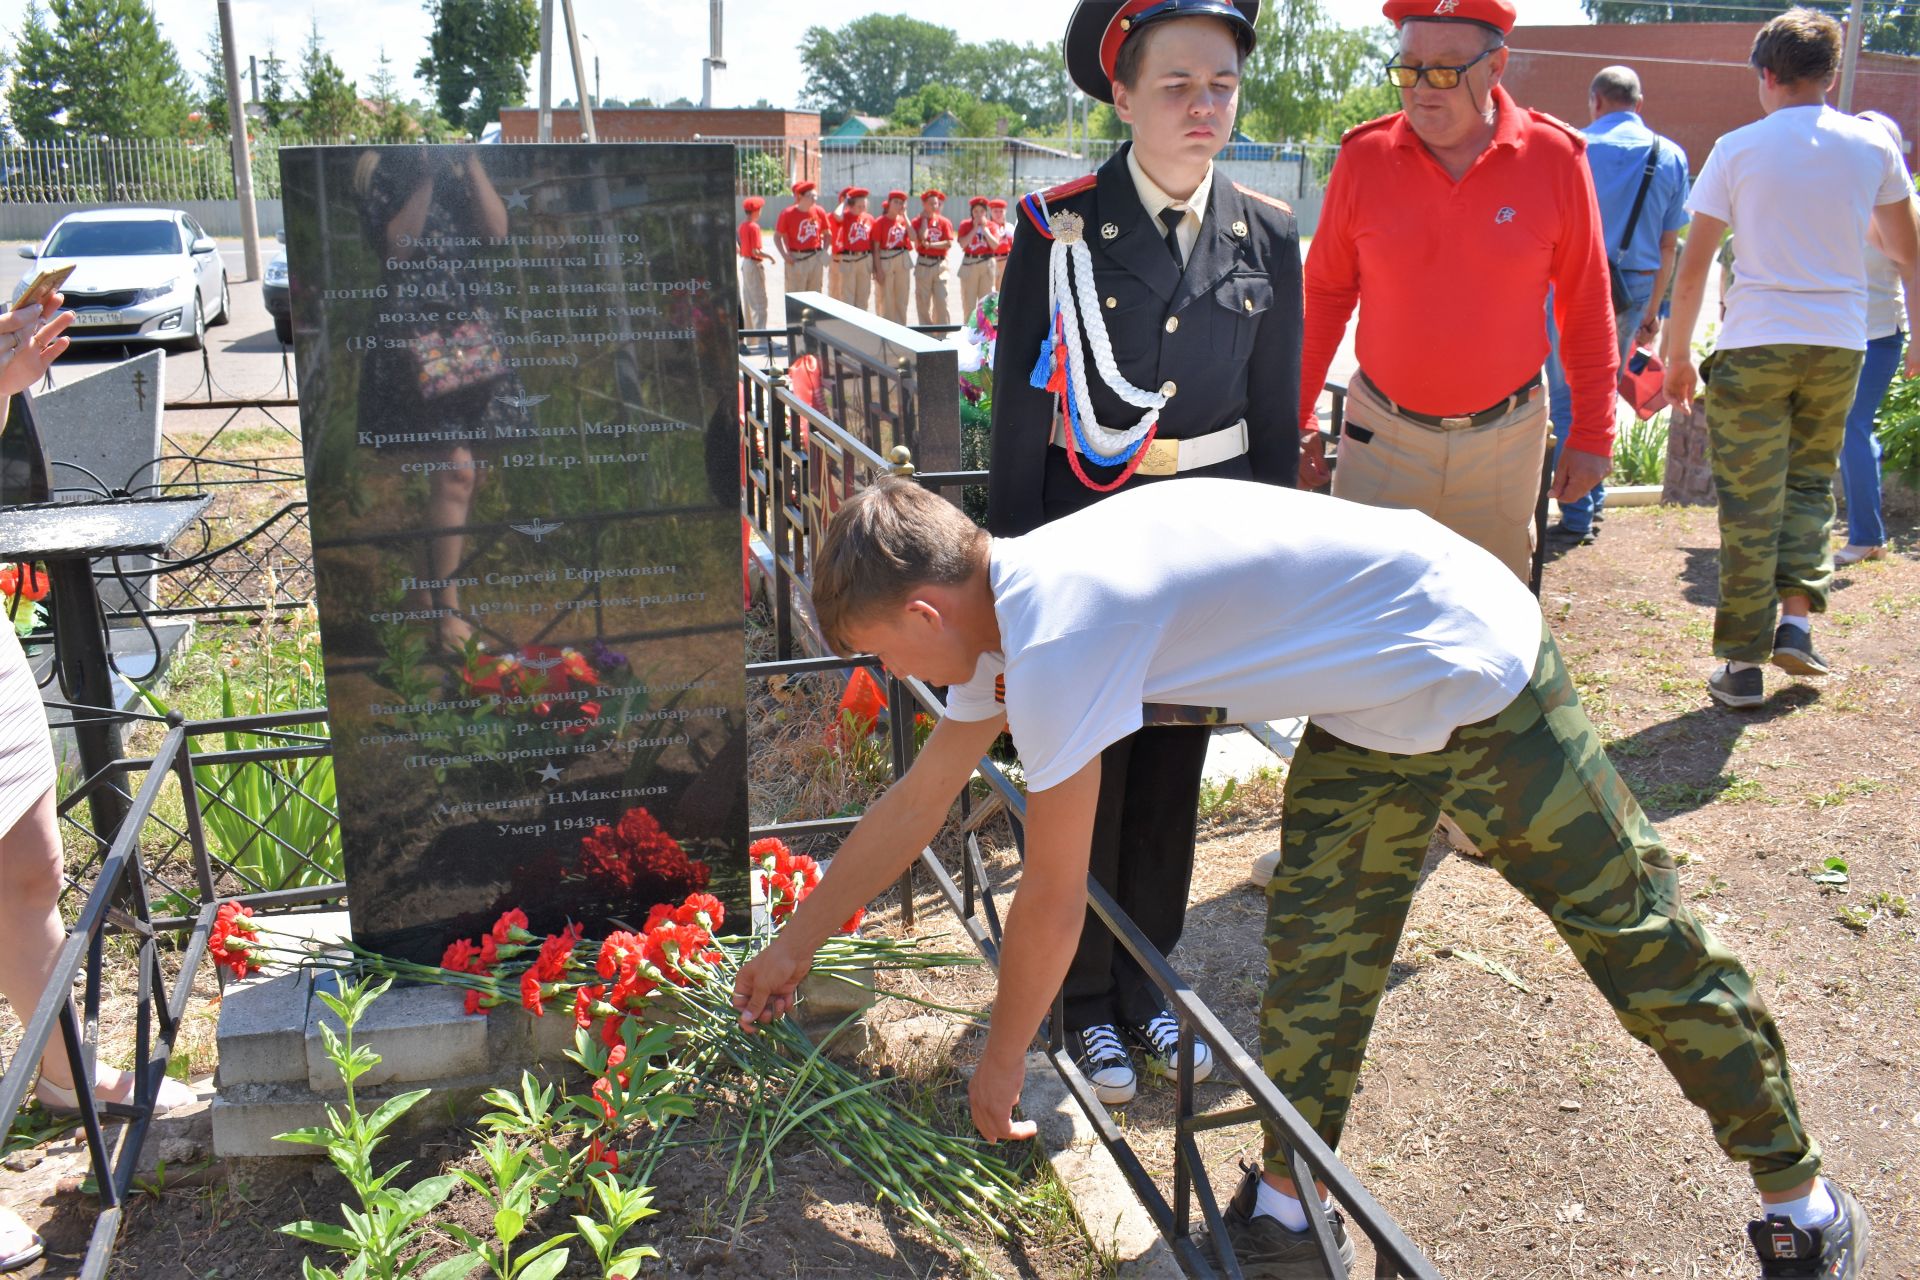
[[999, 270], [930, 290], [894, 288], [976, 282], [807, 272], [856, 278], [753, 292], [1481, 482]]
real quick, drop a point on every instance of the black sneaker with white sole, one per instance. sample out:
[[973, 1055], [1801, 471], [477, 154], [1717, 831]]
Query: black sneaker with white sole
[[1837, 1251], [1793, 652], [1266, 1250], [1159, 1041], [1103, 1060], [1732, 688]]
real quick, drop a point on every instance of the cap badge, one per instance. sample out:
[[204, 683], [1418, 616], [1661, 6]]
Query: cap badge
[[1445, 6]]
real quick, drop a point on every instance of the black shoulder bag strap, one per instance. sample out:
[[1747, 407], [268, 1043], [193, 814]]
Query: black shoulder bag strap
[[1621, 298]]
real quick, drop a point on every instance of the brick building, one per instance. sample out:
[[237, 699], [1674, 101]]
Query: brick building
[[1697, 79], [791, 138]]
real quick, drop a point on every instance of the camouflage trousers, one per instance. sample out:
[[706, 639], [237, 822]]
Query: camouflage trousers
[[1776, 416], [1533, 788]]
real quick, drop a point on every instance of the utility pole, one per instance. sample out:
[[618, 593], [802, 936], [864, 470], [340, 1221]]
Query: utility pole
[[546, 71], [716, 58], [1850, 59], [242, 154], [253, 73], [587, 130]]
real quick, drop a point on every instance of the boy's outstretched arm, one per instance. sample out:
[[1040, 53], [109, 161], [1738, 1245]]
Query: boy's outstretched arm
[[889, 837], [1043, 932]]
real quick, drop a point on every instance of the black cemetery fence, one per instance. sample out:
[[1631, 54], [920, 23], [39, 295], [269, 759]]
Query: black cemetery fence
[[147, 894], [797, 466]]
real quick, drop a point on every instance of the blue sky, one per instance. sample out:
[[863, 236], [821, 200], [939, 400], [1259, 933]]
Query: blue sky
[[649, 48]]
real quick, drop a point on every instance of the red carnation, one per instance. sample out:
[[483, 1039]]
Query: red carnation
[[556, 952], [661, 913], [511, 927], [531, 993], [639, 860], [229, 942], [853, 925], [619, 955], [489, 954], [600, 1155], [583, 1002], [702, 909], [460, 957], [473, 1002]]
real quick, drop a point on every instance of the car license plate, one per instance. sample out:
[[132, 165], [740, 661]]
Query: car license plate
[[93, 317]]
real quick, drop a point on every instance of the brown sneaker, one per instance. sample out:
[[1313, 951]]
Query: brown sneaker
[[1266, 1250]]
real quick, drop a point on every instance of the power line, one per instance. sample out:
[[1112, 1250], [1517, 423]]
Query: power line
[[1632, 58]]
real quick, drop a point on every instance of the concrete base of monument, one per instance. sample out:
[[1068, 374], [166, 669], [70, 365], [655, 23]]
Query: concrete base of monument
[[274, 1074]]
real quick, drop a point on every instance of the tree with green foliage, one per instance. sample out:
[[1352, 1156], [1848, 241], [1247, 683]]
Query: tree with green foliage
[[477, 58], [1026, 78], [1885, 27], [33, 100], [211, 100], [330, 109], [97, 69], [1303, 68], [274, 103], [870, 64], [977, 119]]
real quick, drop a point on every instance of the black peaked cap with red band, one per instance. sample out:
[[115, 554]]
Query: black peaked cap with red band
[[1099, 27]]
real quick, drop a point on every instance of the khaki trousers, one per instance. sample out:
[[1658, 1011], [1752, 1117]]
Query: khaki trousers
[[930, 290], [894, 288], [999, 270], [753, 292], [976, 282], [1481, 482], [807, 272], [856, 278]]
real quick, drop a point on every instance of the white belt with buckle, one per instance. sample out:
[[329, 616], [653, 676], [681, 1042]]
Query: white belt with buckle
[[1171, 457]]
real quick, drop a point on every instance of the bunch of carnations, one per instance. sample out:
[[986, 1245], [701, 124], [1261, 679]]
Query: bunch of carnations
[[234, 942], [22, 588]]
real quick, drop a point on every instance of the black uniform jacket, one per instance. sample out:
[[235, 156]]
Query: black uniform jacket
[[1225, 334]]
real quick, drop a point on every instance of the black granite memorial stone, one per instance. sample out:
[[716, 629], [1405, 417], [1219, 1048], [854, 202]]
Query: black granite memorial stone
[[518, 399]]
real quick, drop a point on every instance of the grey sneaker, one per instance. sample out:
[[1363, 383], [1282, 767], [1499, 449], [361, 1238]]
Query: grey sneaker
[[1793, 652], [1732, 688], [1266, 1250], [1837, 1251]]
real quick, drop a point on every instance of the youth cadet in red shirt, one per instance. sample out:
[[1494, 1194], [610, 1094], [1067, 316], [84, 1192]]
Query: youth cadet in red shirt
[[837, 243], [753, 266], [892, 259], [1448, 222], [997, 210], [932, 238], [803, 234], [979, 241], [853, 250]]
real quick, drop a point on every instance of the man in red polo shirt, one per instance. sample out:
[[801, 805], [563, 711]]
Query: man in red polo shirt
[[753, 266], [803, 234], [893, 259], [1447, 222], [853, 249], [932, 239], [997, 211], [979, 241]]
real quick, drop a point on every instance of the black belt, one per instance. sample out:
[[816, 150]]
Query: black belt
[[1456, 421]]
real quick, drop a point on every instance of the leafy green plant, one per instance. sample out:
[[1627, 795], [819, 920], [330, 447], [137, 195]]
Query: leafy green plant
[[1640, 454], [622, 1207], [1898, 426], [515, 1178], [384, 1239]]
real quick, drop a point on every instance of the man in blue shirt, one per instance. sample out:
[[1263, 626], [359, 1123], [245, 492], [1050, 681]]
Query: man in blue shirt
[[1618, 143]]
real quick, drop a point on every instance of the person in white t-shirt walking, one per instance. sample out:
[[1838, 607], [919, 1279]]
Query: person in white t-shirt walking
[[1800, 189], [1432, 684]]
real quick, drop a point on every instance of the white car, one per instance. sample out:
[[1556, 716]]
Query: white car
[[141, 275]]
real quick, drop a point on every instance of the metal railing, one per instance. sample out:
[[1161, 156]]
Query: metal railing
[[791, 487]]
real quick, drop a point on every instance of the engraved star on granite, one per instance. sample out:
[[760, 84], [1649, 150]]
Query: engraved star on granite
[[516, 199], [549, 774]]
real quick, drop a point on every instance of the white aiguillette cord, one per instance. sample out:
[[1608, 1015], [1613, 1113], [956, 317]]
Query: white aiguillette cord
[[1070, 276]]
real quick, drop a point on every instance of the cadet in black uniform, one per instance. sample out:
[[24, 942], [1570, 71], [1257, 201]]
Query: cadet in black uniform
[[1182, 360]]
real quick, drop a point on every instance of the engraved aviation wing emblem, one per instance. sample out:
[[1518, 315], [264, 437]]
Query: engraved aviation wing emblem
[[532, 663], [536, 529], [522, 402]]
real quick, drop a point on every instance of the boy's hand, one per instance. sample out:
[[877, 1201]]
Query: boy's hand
[[993, 1092], [763, 988]]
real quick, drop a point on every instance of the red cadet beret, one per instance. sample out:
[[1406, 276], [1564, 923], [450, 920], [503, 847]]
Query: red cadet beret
[[1497, 14]]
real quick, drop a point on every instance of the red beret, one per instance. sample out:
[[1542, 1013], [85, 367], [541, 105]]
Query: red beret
[[896, 195], [978, 201], [996, 203], [753, 204], [801, 188], [1497, 14], [933, 193], [857, 193]]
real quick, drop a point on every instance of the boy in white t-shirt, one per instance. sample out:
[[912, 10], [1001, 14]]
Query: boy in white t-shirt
[[1432, 684], [1799, 188]]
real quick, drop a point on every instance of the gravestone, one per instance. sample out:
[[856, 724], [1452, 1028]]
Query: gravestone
[[518, 401], [102, 431]]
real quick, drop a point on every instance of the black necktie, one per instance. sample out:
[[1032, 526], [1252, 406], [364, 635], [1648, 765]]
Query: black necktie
[[1173, 217]]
